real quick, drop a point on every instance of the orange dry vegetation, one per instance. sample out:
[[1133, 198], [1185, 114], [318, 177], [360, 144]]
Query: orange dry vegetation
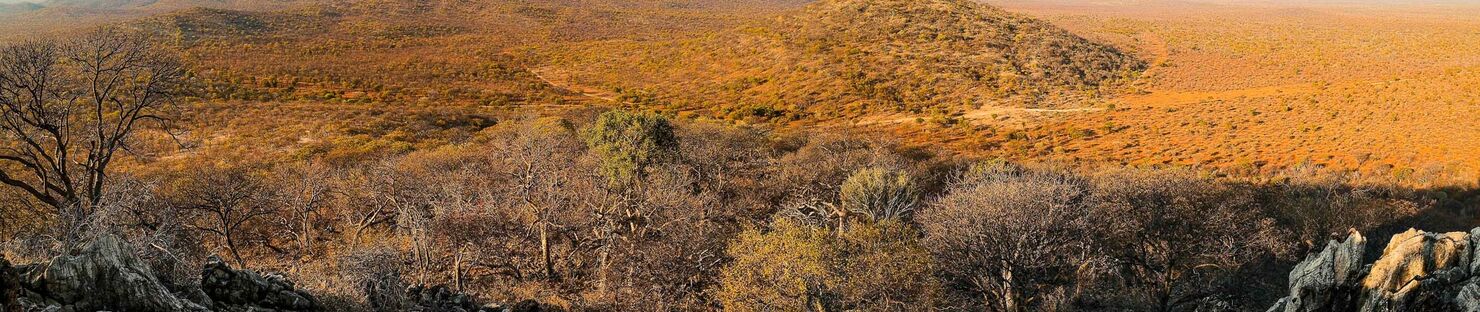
[[1379, 90], [1386, 90]]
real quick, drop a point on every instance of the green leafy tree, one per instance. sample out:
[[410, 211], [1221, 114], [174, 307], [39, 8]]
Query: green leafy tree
[[628, 143]]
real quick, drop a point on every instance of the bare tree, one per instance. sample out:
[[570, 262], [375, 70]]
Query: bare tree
[[538, 157], [1177, 237], [302, 190], [67, 108], [230, 200], [1010, 236]]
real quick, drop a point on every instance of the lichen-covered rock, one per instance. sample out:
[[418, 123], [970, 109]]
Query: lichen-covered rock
[[1324, 281], [104, 276], [246, 290], [1468, 298], [1415, 270], [1418, 271]]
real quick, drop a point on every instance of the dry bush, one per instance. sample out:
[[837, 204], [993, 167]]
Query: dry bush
[[796, 267], [1007, 238], [1174, 240], [1316, 206], [818, 164], [877, 194]]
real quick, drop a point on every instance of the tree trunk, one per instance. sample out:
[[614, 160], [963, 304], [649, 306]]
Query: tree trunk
[[1009, 295], [545, 250], [306, 242], [457, 271], [601, 273], [231, 246]]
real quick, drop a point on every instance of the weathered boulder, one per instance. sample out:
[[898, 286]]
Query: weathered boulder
[[246, 290], [1325, 281], [1417, 271], [104, 276]]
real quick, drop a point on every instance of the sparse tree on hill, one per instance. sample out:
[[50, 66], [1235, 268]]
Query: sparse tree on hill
[[628, 143], [67, 108], [229, 202]]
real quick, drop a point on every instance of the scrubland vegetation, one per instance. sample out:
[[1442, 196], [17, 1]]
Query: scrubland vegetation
[[1381, 90], [748, 156], [846, 59], [631, 210]]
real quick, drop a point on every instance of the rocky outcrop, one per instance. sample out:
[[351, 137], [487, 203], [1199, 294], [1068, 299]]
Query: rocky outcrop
[[104, 276], [1418, 271], [246, 290], [1326, 281], [108, 276], [442, 299]]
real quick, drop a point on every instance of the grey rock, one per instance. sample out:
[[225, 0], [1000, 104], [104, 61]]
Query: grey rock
[[247, 290], [108, 276], [104, 276], [1324, 281], [1418, 271], [1469, 298]]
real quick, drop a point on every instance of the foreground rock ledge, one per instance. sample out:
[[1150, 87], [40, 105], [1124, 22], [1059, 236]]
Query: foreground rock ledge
[[108, 276], [1418, 271]]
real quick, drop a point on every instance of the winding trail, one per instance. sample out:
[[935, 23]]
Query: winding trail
[[595, 94]]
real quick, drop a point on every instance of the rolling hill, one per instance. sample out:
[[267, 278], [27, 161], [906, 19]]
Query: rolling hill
[[848, 58], [19, 7]]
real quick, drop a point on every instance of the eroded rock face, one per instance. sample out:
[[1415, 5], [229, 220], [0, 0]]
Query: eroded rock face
[[108, 276], [1418, 271], [104, 276], [246, 290], [1325, 281]]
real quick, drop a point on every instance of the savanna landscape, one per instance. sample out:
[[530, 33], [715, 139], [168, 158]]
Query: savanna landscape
[[739, 155]]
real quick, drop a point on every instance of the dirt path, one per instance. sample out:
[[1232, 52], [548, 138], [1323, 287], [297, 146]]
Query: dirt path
[[990, 112], [541, 74], [1163, 98]]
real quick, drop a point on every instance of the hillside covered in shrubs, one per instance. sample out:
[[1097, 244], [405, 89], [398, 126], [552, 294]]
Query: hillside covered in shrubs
[[850, 58], [407, 156], [633, 211]]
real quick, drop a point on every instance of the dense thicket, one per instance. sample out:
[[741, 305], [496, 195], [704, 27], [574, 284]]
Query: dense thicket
[[632, 211]]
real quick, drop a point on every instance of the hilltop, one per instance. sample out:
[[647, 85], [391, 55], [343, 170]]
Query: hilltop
[[848, 58]]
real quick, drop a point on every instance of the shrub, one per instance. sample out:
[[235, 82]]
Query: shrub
[[1008, 239], [1181, 238], [628, 143], [795, 267], [877, 193]]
